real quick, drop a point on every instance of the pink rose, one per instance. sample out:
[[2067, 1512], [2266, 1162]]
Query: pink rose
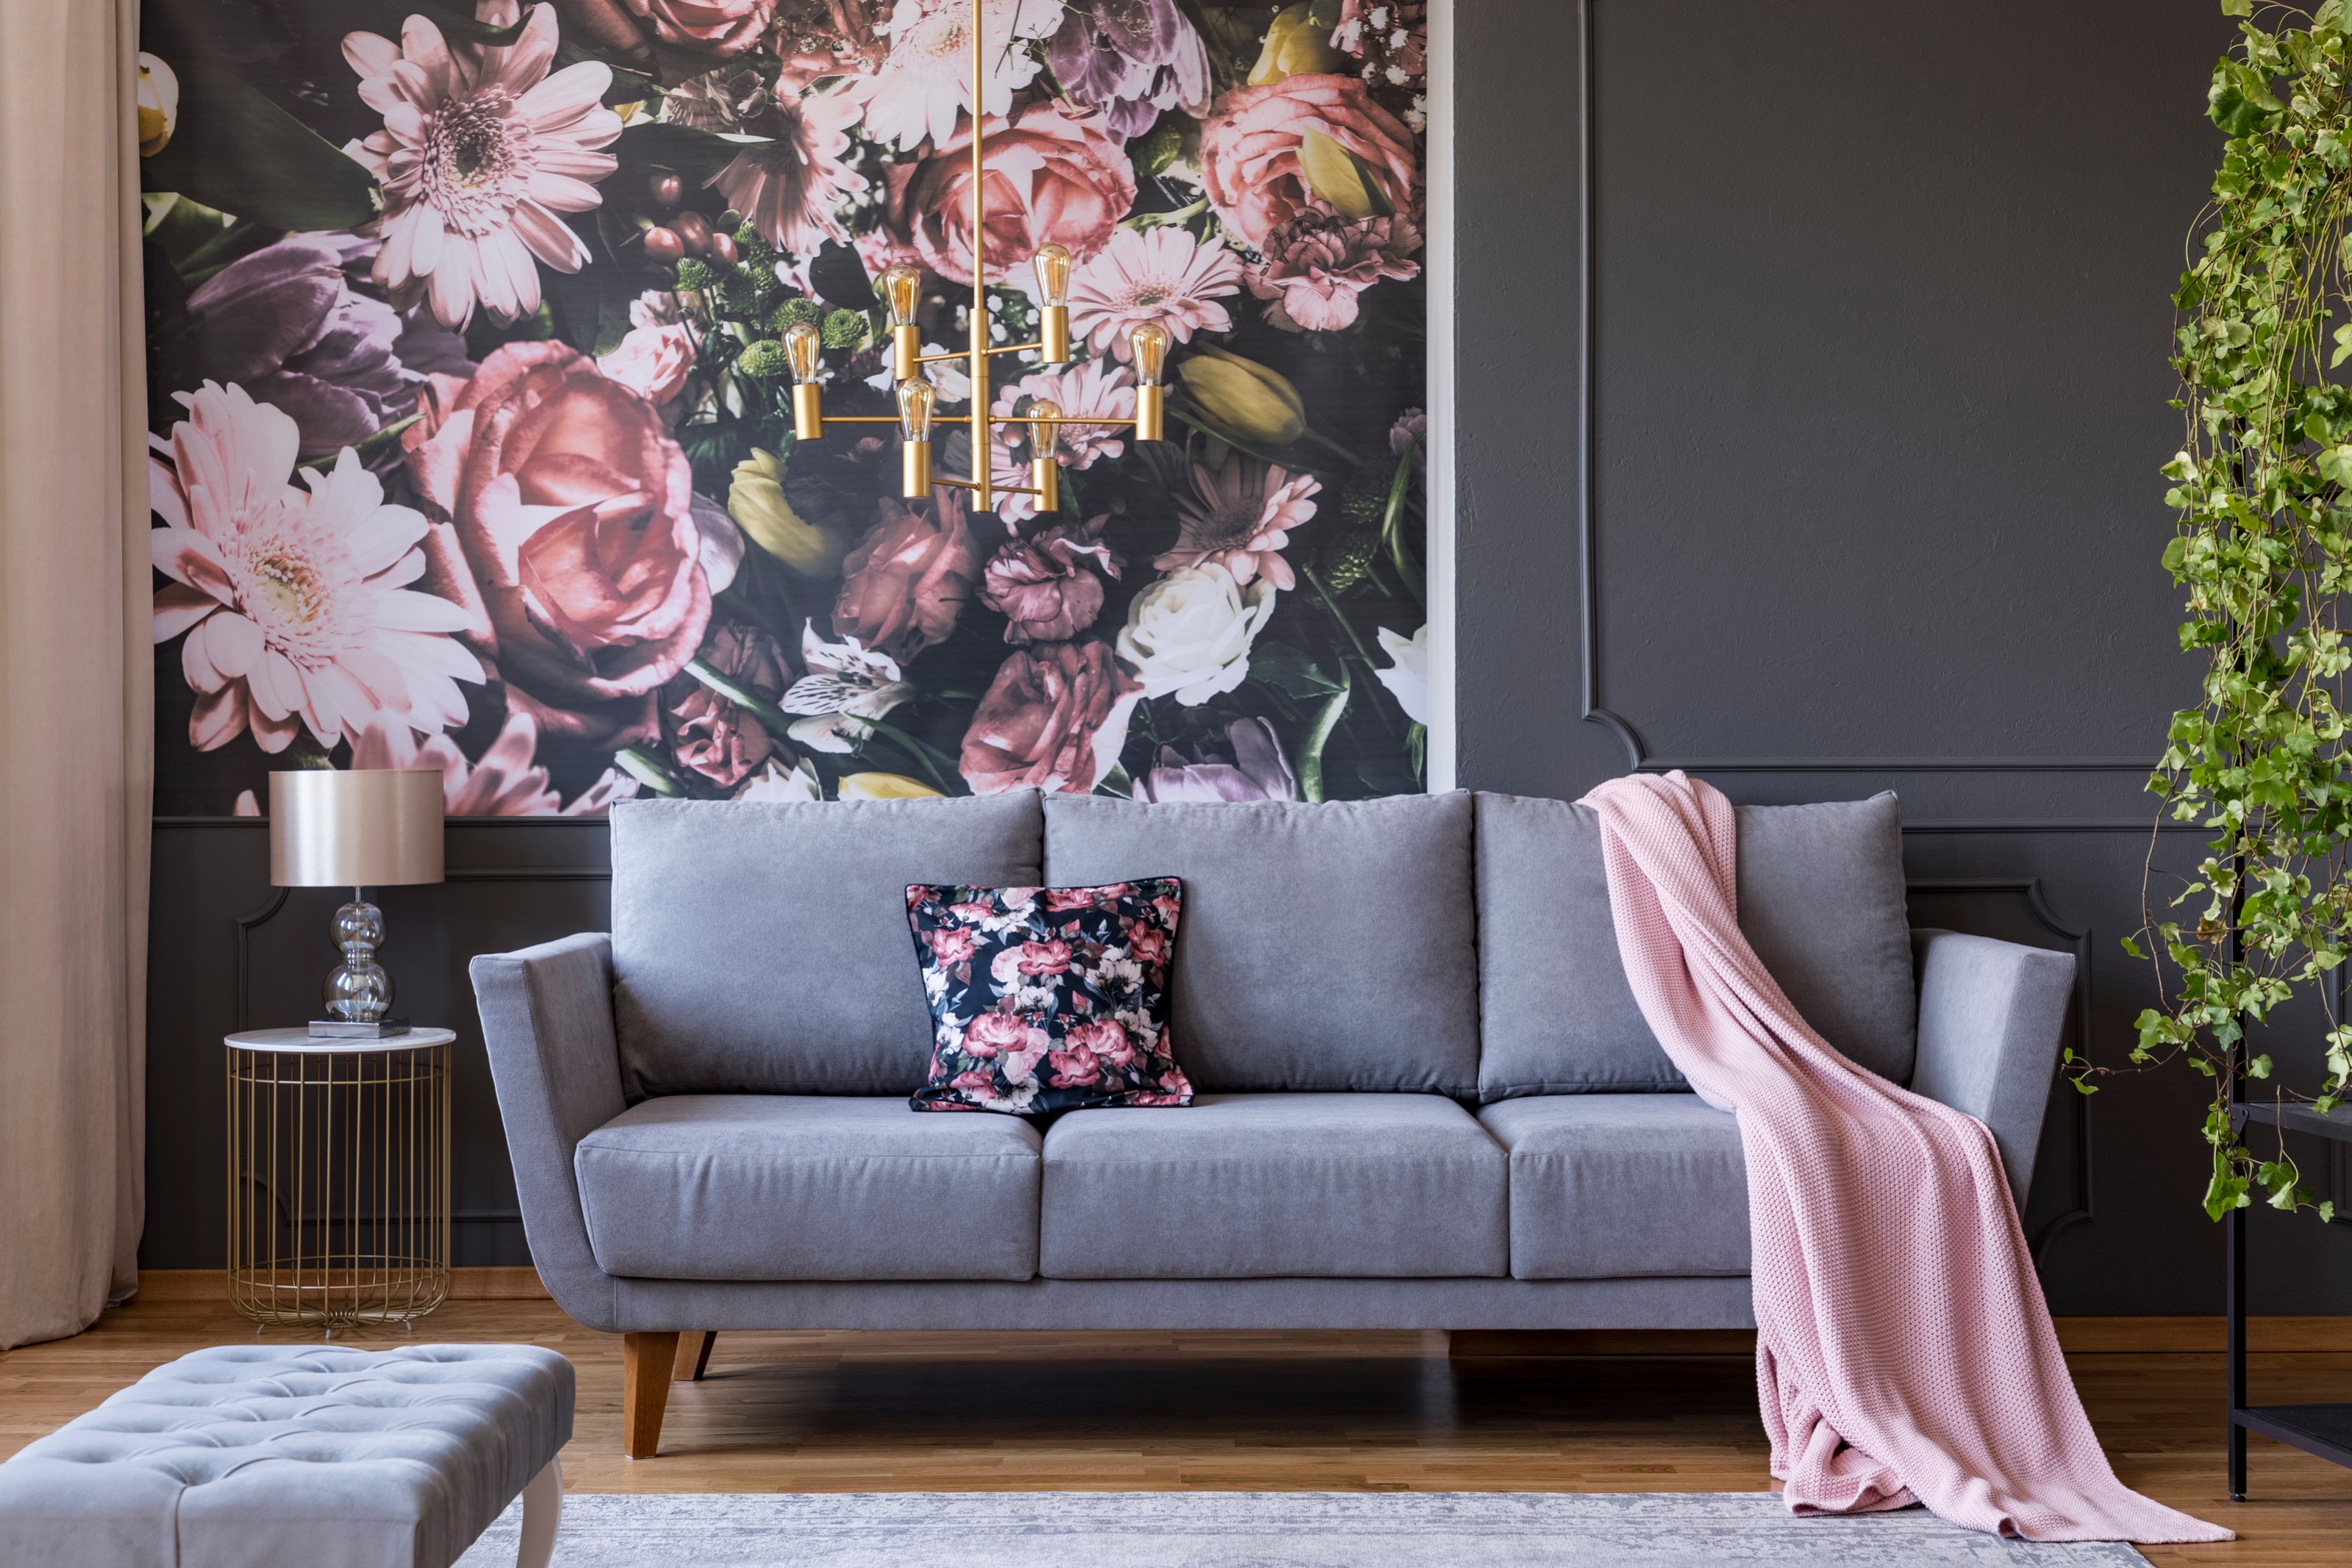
[[1053, 719], [1005, 965], [706, 732], [707, 27], [1051, 176], [1045, 958], [1249, 151], [904, 585], [1147, 944], [652, 362], [1073, 1068], [953, 945], [979, 1083], [1061, 899], [1041, 585], [972, 911], [1168, 908], [1104, 1038], [574, 507], [993, 1032], [1315, 265]]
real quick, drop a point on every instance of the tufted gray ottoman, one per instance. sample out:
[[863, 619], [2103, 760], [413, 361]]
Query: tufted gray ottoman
[[257, 1456]]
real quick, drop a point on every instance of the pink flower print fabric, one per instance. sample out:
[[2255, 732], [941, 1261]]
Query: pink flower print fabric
[[1048, 999]]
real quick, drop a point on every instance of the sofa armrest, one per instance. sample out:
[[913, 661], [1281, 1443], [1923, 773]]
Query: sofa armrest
[[547, 1018], [1989, 1017]]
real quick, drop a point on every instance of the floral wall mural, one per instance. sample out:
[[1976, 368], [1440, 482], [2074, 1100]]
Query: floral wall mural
[[471, 434]]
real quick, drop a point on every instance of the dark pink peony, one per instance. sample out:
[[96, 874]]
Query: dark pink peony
[[904, 585], [1054, 718], [1073, 1067], [990, 1033], [575, 509], [1045, 958], [1147, 944], [1315, 265], [1042, 585], [1257, 772], [1250, 163], [706, 26], [709, 734], [1104, 1038], [1051, 176], [953, 945]]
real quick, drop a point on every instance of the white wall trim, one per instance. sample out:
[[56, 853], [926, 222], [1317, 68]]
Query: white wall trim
[[1437, 500]]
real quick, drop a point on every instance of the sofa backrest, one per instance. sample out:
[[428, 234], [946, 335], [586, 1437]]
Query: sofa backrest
[[764, 948], [1322, 947], [1821, 900]]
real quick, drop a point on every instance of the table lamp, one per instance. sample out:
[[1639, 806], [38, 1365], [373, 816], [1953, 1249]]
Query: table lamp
[[355, 828]]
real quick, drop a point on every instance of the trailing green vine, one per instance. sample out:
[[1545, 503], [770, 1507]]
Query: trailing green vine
[[2263, 486]]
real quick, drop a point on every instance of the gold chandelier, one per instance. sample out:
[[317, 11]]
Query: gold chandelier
[[900, 287]]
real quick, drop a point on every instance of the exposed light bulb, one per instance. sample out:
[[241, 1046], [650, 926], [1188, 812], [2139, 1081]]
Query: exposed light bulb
[[804, 350], [1044, 468], [1150, 341], [914, 399], [1052, 264], [901, 288]]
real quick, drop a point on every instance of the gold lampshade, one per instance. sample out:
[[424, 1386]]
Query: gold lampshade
[[354, 828]]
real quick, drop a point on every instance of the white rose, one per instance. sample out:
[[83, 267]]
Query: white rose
[[1191, 632], [1408, 678]]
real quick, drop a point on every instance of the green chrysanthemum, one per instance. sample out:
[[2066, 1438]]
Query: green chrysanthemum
[[762, 359], [844, 329]]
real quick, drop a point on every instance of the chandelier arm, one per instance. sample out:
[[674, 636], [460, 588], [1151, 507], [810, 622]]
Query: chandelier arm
[[977, 366]]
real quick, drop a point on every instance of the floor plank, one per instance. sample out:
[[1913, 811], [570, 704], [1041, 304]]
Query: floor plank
[[848, 1412]]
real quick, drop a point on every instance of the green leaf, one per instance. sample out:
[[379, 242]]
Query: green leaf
[[2237, 7], [237, 151], [1310, 754]]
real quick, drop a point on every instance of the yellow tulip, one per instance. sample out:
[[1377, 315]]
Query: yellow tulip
[[882, 786], [1296, 45], [755, 499], [1338, 177], [159, 105], [1243, 399]]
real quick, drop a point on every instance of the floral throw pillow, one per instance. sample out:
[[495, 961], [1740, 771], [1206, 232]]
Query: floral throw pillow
[[1048, 999]]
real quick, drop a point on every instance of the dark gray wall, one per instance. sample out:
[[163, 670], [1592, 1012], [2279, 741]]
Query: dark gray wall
[[1811, 390], [1864, 497]]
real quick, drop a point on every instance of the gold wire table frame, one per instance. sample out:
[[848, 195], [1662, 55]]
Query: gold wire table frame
[[337, 1178]]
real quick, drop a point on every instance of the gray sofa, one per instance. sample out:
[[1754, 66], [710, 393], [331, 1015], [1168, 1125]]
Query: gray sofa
[[1426, 1097]]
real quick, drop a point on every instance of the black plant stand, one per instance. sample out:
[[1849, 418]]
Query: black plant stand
[[2322, 1429]]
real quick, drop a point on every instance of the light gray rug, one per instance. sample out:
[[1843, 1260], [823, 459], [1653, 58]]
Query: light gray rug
[[1255, 1530]]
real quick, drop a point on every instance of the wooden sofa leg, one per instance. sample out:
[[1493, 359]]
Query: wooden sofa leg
[[694, 1355], [646, 1362]]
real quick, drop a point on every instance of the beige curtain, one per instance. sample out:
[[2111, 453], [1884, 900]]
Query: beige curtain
[[75, 666]]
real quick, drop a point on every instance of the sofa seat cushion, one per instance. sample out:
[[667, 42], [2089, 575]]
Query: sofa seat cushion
[[1821, 900], [1266, 1185], [1326, 948], [773, 1187], [1612, 1186]]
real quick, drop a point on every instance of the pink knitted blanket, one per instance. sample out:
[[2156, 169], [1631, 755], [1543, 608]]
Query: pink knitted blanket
[[1903, 1349]]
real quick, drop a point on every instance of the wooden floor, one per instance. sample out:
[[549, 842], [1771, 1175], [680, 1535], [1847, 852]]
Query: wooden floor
[[843, 1412]]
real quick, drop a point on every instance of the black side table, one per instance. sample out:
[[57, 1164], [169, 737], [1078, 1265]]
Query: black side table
[[2322, 1429]]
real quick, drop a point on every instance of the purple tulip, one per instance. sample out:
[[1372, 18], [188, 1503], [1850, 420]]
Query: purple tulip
[[1133, 58], [1257, 772], [285, 324]]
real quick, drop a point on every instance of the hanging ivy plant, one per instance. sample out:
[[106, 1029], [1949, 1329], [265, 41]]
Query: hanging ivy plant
[[2263, 488]]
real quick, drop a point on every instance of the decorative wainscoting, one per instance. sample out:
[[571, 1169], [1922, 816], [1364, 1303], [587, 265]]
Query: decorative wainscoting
[[231, 952]]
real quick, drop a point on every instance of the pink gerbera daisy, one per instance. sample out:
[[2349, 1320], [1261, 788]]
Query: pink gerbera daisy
[[789, 185], [1162, 275], [1239, 516], [480, 150], [295, 602], [1092, 389]]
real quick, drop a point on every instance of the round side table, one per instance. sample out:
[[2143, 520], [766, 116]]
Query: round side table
[[337, 1176]]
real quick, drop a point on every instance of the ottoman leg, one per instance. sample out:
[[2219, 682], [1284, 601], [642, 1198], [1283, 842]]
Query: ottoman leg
[[543, 1512], [647, 1359]]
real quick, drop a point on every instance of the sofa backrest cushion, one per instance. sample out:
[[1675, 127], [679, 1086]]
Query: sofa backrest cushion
[[763, 947], [1323, 949], [1821, 900]]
